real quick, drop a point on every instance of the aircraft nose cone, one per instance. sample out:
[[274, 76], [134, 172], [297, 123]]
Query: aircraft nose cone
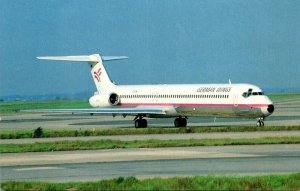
[[270, 108]]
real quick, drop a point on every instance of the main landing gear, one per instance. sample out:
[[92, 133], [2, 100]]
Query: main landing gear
[[260, 122], [139, 122], [180, 122]]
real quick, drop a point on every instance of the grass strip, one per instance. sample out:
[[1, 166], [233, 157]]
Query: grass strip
[[152, 143], [16, 106], [47, 133], [283, 96], [267, 182]]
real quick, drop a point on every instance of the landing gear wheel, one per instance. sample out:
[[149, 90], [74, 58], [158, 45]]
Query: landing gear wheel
[[260, 123], [184, 122], [140, 123], [180, 122], [143, 123], [137, 123], [176, 122]]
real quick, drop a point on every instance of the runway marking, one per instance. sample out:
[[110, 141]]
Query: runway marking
[[38, 168]]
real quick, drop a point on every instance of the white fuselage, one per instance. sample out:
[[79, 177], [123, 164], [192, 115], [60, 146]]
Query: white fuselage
[[225, 100]]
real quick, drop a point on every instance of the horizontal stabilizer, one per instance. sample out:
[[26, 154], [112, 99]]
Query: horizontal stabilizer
[[84, 58], [108, 58]]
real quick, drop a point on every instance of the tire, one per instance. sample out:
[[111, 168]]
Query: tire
[[260, 123], [137, 123], [140, 123], [143, 123], [180, 122], [183, 122], [176, 122]]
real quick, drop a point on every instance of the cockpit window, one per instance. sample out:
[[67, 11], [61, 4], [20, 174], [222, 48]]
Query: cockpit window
[[249, 93]]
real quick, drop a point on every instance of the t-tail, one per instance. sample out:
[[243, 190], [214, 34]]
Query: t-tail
[[95, 62]]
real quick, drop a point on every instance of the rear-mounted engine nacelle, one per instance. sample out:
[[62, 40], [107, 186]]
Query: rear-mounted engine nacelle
[[104, 100], [114, 99]]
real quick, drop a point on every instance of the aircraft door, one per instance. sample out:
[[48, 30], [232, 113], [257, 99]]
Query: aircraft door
[[155, 97], [235, 100]]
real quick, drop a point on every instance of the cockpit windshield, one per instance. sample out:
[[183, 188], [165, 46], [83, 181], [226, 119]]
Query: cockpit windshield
[[250, 93]]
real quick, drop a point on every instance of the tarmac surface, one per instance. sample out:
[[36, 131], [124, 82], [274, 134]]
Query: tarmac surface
[[146, 163]]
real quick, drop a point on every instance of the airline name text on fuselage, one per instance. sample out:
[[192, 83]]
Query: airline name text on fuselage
[[214, 89]]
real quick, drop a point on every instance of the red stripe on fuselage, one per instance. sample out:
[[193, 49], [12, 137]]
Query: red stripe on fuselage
[[192, 105]]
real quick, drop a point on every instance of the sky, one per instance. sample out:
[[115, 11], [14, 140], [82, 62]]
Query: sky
[[167, 41]]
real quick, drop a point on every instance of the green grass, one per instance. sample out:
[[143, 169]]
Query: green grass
[[16, 106], [283, 96], [267, 182], [18, 134], [152, 143]]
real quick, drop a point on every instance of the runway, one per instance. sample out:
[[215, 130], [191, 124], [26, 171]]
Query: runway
[[145, 163]]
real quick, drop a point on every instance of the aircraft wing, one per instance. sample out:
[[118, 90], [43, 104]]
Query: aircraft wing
[[114, 111]]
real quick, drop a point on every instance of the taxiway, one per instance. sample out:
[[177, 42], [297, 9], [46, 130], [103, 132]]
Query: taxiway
[[144, 163]]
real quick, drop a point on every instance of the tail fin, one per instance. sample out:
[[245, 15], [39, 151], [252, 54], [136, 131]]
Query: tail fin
[[99, 74]]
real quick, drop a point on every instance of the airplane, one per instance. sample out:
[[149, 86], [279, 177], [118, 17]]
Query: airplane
[[178, 101]]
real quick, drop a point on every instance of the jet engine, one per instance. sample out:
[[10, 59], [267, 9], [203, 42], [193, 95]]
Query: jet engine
[[104, 100]]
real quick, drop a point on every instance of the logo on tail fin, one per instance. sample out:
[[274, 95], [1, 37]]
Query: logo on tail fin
[[97, 74]]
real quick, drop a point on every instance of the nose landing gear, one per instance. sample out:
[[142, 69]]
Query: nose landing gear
[[260, 122]]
